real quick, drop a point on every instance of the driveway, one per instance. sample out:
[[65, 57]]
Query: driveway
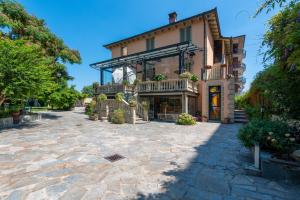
[[63, 157]]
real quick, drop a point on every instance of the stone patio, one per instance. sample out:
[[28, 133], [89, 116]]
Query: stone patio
[[62, 157]]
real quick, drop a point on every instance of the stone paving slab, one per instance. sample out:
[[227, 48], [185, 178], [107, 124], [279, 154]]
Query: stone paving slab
[[62, 157]]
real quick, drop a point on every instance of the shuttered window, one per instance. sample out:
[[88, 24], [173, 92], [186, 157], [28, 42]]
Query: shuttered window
[[150, 43], [186, 34]]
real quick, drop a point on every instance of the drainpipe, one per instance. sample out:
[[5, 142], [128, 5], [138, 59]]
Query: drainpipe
[[205, 43]]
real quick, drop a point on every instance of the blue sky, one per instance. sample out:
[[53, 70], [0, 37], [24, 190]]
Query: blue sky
[[86, 25]]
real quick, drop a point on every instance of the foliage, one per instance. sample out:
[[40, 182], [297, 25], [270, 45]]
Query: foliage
[[185, 75], [159, 77], [95, 85], [278, 84], [101, 97], [118, 117], [90, 108], [272, 136], [21, 25], [146, 105], [119, 97], [136, 82], [186, 119], [241, 101], [283, 38], [125, 82], [88, 90], [17, 25], [132, 103], [189, 75], [194, 78], [253, 112], [63, 99], [270, 5], [24, 71]]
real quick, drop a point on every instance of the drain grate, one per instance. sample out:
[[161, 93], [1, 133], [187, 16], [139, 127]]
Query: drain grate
[[114, 158]]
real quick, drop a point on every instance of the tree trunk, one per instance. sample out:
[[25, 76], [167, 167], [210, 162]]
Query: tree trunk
[[2, 99]]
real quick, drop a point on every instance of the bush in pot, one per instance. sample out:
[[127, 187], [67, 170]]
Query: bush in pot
[[185, 75], [132, 103], [185, 119], [119, 97], [159, 77], [118, 117], [194, 78], [101, 97]]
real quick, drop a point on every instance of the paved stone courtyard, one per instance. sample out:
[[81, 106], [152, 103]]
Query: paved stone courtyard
[[62, 157]]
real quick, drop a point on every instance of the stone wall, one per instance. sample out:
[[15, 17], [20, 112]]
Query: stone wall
[[9, 123], [106, 108]]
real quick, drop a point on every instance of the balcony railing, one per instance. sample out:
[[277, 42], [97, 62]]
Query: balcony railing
[[214, 73], [168, 86], [114, 88]]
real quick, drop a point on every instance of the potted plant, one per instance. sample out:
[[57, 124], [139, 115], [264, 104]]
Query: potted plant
[[159, 77], [125, 82], [16, 112], [93, 117], [185, 75], [194, 78], [146, 107], [132, 103]]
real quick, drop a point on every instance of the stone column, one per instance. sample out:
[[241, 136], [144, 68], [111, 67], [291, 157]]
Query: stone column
[[145, 117], [132, 115], [185, 106]]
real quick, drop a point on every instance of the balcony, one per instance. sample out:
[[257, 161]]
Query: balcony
[[214, 73], [174, 85], [239, 52]]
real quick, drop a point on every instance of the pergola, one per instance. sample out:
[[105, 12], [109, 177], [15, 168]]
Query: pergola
[[179, 49]]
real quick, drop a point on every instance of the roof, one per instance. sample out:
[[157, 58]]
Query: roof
[[214, 20], [166, 51]]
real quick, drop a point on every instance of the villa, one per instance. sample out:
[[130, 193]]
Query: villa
[[194, 45]]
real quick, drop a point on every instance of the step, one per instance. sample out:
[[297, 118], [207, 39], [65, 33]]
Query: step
[[241, 120]]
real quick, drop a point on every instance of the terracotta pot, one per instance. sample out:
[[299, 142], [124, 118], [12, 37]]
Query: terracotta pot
[[16, 117]]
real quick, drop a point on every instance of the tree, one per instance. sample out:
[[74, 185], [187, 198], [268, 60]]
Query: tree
[[24, 71], [279, 82], [64, 98], [88, 90], [270, 5], [17, 24]]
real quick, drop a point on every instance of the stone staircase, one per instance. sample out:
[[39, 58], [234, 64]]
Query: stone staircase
[[240, 116]]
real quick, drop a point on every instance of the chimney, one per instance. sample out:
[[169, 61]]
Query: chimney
[[172, 17]]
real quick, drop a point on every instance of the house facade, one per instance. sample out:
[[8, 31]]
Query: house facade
[[194, 45]]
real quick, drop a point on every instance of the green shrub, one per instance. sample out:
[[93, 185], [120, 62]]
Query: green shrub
[[90, 108], [194, 78], [146, 105], [273, 136], [136, 82], [125, 82], [132, 103], [101, 97], [159, 77], [186, 119], [241, 101], [119, 96], [118, 117], [185, 75], [253, 112]]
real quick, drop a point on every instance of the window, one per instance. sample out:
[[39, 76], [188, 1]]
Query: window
[[186, 34], [124, 51], [150, 44], [235, 48], [218, 51]]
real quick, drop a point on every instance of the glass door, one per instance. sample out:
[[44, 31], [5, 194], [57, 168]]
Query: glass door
[[215, 103]]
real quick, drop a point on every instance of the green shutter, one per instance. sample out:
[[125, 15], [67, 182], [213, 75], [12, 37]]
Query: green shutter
[[182, 35], [188, 33]]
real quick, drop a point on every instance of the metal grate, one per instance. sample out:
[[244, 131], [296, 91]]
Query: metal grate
[[114, 158]]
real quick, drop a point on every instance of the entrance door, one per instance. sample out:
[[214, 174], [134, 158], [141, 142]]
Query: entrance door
[[215, 103]]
